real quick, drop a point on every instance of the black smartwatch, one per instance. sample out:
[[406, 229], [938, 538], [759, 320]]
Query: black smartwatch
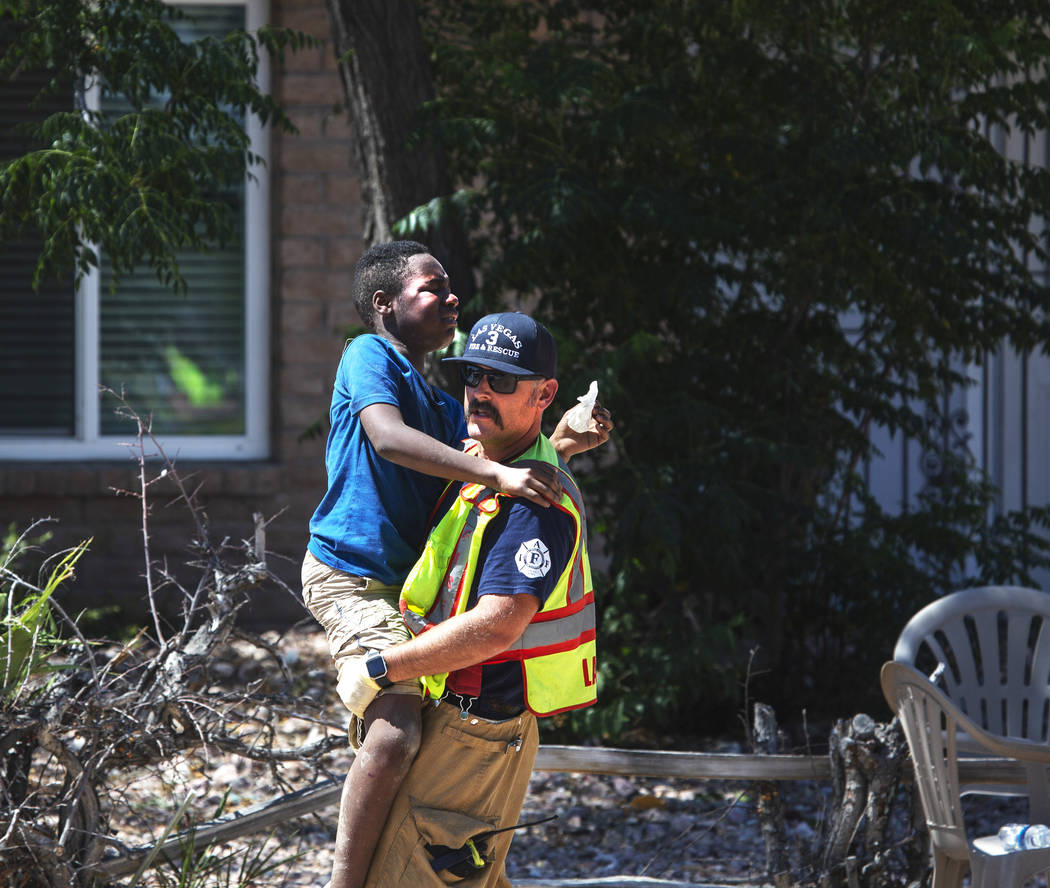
[[376, 666]]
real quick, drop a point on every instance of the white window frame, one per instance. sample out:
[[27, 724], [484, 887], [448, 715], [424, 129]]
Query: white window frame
[[254, 443]]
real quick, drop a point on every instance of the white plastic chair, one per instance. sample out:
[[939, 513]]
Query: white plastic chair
[[988, 650], [933, 725]]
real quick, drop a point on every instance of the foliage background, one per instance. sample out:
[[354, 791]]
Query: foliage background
[[142, 185], [766, 227]]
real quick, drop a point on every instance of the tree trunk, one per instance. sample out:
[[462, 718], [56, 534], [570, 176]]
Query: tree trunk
[[386, 80]]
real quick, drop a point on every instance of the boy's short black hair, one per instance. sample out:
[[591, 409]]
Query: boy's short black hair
[[382, 267]]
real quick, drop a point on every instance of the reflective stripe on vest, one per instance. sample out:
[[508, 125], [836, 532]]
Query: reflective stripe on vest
[[557, 649]]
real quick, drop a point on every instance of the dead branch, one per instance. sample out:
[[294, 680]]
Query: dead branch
[[110, 708], [869, 762], [770, 804]]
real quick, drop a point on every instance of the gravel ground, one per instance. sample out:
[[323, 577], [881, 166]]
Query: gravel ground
[[694, 832]]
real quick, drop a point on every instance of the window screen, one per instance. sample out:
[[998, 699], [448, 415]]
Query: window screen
[[179, 357], [37, 346]]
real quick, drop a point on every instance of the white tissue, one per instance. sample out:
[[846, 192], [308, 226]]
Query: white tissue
[[579, 417]]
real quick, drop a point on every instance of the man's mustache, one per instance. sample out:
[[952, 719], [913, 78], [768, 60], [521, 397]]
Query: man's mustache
[[487, 408]]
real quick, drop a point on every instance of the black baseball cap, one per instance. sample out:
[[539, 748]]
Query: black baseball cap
[[513, 343]]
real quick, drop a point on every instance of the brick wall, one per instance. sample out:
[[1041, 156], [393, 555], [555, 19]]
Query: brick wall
[[315, 205], [316, 241]]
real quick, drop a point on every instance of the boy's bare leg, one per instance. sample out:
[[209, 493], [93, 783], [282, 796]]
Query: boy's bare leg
[[391, 742]]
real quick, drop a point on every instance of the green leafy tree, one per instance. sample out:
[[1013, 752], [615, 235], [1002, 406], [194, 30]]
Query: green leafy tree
[[767, 228], [142, 185]]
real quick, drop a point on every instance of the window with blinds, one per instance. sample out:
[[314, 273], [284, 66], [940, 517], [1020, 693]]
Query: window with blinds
[[195, 362], [37, 344], [179, 357]]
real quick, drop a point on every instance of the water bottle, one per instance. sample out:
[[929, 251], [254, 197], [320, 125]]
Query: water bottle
[[1022, 836]]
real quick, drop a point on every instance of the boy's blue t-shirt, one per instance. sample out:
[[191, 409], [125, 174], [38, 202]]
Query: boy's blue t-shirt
[[372, 521]]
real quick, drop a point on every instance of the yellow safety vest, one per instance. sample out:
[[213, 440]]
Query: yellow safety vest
[[557, 650]]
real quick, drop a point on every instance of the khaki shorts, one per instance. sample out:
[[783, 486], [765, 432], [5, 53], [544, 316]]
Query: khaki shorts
[[470, 776], [359, 615]]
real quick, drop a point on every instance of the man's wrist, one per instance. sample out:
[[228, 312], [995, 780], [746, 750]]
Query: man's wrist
[[375, 667]]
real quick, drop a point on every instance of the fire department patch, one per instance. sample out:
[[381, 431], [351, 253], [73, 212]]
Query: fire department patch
[[533, 559]]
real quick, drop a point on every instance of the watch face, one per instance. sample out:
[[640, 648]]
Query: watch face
[[376, 666]]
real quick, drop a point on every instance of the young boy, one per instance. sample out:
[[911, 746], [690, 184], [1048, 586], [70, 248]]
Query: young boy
[[393, 440]]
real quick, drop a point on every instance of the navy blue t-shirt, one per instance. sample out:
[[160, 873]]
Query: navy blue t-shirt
[[525, 550], [372, 521]]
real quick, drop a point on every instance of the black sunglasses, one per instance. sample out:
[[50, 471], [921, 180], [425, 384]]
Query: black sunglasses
[[501, 383]]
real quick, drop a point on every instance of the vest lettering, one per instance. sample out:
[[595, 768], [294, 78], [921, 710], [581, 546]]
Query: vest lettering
[[590, 676]]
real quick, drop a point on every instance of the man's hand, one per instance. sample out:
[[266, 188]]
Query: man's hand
[[540, 484], [357, 689], [568, 442]]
